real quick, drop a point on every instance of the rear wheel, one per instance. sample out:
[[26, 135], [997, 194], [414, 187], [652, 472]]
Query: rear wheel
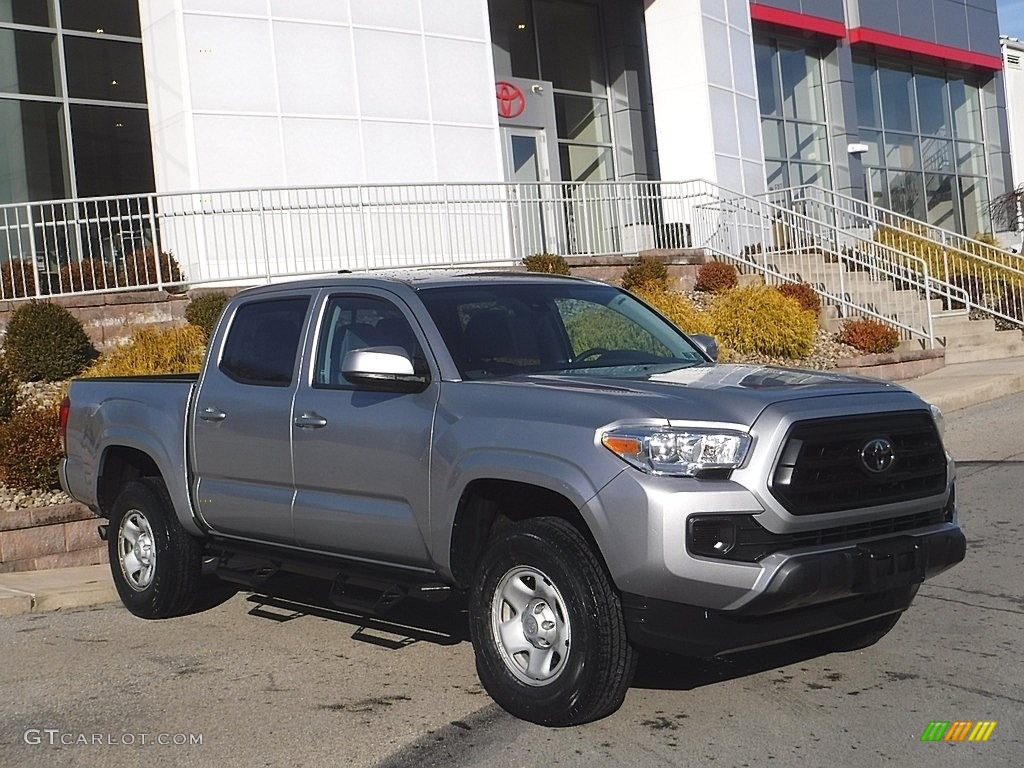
[[156, 565], [857, 636], [547, 626]]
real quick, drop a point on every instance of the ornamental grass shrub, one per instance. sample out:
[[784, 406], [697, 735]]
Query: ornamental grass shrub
[[205, 310], [715, 277], [547, 263], [803, 293], [30, 447], [678, 309], [151, 351], [648, 274], [869, 336], [760, 320], [45, 342]]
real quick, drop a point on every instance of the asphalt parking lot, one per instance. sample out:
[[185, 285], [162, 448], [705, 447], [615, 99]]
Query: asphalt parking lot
[[269, 682]]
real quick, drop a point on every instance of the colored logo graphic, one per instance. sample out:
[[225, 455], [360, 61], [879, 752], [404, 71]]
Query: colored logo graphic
[[511, 101], [958, 730]]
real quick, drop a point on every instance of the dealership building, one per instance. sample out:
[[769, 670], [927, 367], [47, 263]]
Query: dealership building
[[897, 101]]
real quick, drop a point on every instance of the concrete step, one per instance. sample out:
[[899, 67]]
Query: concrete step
[[969, 340], [995, 350], [960, 324]]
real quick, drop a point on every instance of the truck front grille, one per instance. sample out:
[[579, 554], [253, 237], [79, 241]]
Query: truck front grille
[[827, 465]]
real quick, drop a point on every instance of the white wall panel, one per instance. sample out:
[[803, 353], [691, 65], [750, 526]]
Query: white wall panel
[[320, 152], [464, 18], [230, 64], [398, 14], [465, 154], [399, 152], [461, 86], [315, 69], [238, 151], [392, 78], [312, 10]]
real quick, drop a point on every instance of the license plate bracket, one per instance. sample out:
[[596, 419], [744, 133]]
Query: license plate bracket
[[890, 564]]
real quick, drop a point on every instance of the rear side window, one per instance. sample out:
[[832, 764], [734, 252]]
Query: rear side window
[[263, 341]]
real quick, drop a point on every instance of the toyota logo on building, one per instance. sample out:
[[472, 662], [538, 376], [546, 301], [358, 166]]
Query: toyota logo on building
[[878, 455]]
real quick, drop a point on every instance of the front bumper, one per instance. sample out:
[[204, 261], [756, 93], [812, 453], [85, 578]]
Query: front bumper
[[807, 594]]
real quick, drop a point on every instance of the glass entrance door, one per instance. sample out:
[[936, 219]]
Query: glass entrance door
[[526, 165]]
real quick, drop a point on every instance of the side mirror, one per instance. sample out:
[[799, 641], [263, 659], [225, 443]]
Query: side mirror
[[386, 368], [707, 345]]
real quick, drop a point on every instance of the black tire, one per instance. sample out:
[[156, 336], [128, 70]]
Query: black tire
[[169, 584], [857, 636], [597, 666]]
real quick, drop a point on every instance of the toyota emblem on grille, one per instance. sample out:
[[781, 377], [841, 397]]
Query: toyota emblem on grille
[[878, 455]]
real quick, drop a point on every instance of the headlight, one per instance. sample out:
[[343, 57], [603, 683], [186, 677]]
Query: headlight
[[680, 452], [940, 421]]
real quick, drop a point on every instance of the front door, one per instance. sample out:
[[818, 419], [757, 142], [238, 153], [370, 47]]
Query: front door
[[526, 164], [362, 455]]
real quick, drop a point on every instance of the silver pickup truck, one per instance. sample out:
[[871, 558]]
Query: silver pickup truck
[[551, 448]]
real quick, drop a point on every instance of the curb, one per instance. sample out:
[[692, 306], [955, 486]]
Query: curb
[[952, 396], [54, 590]]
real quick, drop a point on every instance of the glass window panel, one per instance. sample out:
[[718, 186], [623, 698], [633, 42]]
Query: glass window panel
[[878, 186], [525, 163], [902, 152], [807, 142], [866, 87], [571, 49], [974, 194], [582, 119], [263, 341], [33, 156], [801, 84], [966, 101], [873, 140], [937, 155], [513, 40], [774, 140], [104, 69], [28, 63], [112, 17], [113, 154], [813, 174], [971, 158], [897, 87], [933, 105], [35, 12], [942, 211], [767, 78], [906, 193], [777, 174], [580, 163]]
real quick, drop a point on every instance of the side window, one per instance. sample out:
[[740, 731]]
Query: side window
[[357, 322], [263, 341]]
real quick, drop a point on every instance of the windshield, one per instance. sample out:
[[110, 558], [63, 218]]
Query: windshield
[[506, 329]]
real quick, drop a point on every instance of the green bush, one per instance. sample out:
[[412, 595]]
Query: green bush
[[803, 293], [648, 273], [760, 320], [678, 309], [548, 263], [205, 310], [46, 342], [869, 336], [150, 351], [715, 277], [18, 279], [30, 448], [8, 391]]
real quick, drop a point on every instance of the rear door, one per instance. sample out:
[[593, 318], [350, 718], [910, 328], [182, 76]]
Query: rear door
[[242, 425], [362, 456]]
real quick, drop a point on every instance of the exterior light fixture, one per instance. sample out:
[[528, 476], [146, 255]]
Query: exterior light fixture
[[99, 30], [113, 82], [520, 26]]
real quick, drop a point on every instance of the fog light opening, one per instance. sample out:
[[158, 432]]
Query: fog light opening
[[712, 537]]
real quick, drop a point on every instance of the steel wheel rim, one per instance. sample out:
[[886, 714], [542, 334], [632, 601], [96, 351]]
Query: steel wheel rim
[[530, 626], [136, 550]]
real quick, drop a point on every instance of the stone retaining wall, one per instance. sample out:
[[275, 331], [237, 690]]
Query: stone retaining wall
[[49, 537]]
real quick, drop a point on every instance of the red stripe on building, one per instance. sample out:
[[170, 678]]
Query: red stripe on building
[[924, 48], [794, 20]]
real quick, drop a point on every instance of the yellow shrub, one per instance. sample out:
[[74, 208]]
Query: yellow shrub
[[152, 351], [676, 308], [760, 320]]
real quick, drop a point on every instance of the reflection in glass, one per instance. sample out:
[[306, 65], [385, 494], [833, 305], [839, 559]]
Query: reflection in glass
[[966, 100], [802, 93], [777, 174], [107, 70], [974, 193], [33, 156], [113, 155], [897, 98], [582, 163], [111, 17], [906, 194], [513, 40], [937, 155], [878, 187], [807, 142], [571, 52], [33, 12], [970, 158], [902, 152], [767, 79], [941, 208], [866, 87], [933, 105], [525, 165], [28, 63], [582, 119]]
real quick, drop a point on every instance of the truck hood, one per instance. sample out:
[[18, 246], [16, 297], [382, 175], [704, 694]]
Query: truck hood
[[723, 393]]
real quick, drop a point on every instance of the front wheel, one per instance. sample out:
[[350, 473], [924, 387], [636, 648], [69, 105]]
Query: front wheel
[[155, 563], [547, 626]]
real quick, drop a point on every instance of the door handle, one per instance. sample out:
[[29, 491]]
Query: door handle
[[311, 420], [212, 414]]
